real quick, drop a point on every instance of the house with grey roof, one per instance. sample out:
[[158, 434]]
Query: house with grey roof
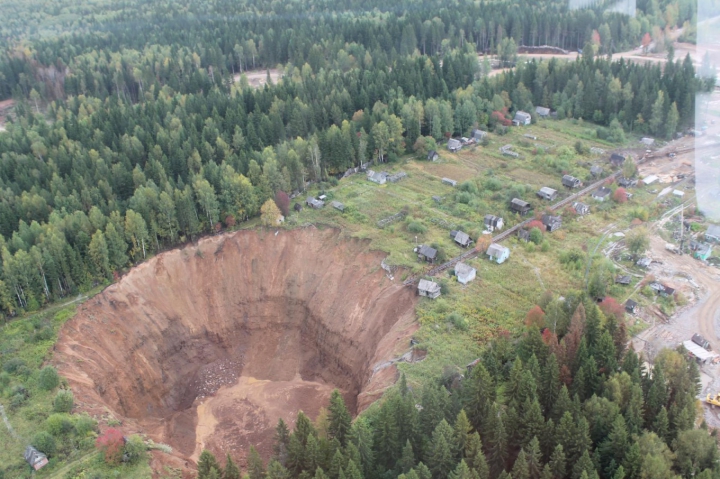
[[623, 279], [478, 135], [602, 193], [542, 112], [617, 160], [644, 262], [551, 222], [713, 234], [379, 177], [596, 171], [337, 205], [429, 289], [522, 118], [314, 203], [498, 253], [449, 182], [36, 459], [464, 272], [520, 206], [426, 253], [493, 223], [547, 193], [571, 181], [630, 306], [454, 145], [463, 239], [581, 208], [433, 155]]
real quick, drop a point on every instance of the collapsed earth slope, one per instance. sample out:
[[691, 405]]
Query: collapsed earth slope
[[207, 346]]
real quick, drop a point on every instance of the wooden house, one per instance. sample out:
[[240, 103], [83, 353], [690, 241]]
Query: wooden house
[[465, 273], [426, 253], [551, 222], [571, 181], [429, 289], [433, 155], [493, 223], [520, 206], [454, 145], [581, 208], [498, 253], [547, 193]]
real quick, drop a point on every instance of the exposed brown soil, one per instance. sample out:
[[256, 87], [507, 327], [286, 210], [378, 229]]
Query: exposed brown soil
[[209, 345]]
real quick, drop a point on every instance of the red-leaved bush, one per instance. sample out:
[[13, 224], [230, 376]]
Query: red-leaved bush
[[282, 200], [620, 195], [535, 224], [111, 444], [610, 307], [535, 317]]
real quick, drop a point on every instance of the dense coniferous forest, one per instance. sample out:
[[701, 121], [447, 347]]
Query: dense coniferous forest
[[582, 407], [99, 48]]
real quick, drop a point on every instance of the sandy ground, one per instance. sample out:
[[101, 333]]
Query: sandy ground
[[208, 346], [258, 78]]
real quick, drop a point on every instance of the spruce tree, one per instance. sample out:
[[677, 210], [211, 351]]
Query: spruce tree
[[281, 441], [206, 462], [633, 461], [255, 468], [461, 434], [584, 465], [320, 474], [534, 458], [661, 425], [339, 418], [407, 460], [558, 462], [422, 471], [337, 462], [547, 473], [231, 470], [275, 470], [440, 456], [533, 423], [520, 468], [498, 441]]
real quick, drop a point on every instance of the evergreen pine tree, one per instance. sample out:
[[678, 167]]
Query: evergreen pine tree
[[339, 418], [547, 473], [440, 456], [231, 470], [461, 434], [520, 468], [337, 462], [563, 403], [255, 468], [549, 383], [462, 471], [352, 471], [422, 471], [407, 460], [320, 474], [533, 423], [206, 462], [275, 470], [584, 465], [534, 458], [661, 425], [633, 461], [558, 462], [281, 441], [498, 440]]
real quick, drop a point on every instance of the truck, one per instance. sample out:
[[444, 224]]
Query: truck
[[700, 341]]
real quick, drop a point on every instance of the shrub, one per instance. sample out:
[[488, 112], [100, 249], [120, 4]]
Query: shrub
[[135, 449], [59, 424], [4, 380], [44, 443], [493, 184], [111, 444], [464, 197], [610, 307], [545, 246], [416, 227], [282, 200], [457, 320], [535, 317], [536, 235], [12, 365], [48, 379], [470, 187], [84, 425], [64, 401], [620, 195]]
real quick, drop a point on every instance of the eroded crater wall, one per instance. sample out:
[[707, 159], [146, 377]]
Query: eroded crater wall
[[303, 304]]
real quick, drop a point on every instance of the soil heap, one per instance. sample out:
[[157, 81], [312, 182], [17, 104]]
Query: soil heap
[[208, 345]]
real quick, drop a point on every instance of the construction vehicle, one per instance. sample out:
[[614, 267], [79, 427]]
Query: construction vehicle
[[713, 400]]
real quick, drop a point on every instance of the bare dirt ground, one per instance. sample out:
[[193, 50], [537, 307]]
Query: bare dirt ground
[[258, 78], [208, 346]]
